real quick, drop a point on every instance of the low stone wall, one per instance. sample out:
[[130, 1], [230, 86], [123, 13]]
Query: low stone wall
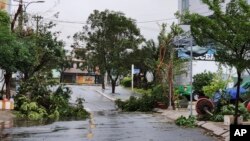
[[6, 105]]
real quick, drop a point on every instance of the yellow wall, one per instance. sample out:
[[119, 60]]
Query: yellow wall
[[85, 79], [3, 4]]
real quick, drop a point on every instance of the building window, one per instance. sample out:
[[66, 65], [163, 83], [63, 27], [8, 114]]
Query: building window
[[185, 5]]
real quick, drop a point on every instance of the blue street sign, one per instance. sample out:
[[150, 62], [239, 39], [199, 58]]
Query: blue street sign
[[136, 71]]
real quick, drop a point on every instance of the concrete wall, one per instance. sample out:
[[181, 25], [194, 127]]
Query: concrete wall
[[1, 79], [201, 66]]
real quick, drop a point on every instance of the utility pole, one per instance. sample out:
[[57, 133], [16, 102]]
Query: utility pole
[[132, 77], [20, 19], [37, 19], [170, 79], [191, 76], [21, 9]]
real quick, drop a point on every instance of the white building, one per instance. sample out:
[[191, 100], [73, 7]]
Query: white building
[[197, 6]]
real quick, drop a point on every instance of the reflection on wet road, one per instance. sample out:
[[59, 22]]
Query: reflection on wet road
[[106, 124]]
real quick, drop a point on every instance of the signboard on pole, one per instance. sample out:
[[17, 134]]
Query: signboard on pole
[[132, 77], [208, 54], [136, 71]]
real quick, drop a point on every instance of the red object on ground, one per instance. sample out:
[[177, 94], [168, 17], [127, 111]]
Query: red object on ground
[[248, 106], [203, 106]]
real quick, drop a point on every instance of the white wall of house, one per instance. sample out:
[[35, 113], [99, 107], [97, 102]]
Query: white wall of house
[[1, 79], [199, 66]]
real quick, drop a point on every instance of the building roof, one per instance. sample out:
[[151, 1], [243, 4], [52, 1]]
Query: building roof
[[75, 70]]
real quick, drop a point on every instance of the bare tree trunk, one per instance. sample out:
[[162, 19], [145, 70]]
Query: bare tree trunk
[[170, 83], [7, 78], [237, 98], [113, 86], [61, 77], [26, 76], [103, 81], [113, 81]]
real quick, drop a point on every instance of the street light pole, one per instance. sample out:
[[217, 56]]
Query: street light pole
[[132, 77], [20, 19], [22, 8], [25, 6], [170, 75], [191, 76]]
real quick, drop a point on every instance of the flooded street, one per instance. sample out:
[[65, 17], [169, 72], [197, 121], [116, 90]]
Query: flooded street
[[105, 124]]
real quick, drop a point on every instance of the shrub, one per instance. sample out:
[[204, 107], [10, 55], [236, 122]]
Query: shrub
[[120, 104], [80, 112], [217, 117], [143, 104], [36, 101], [217, 83], [158, 94], [185, 122], [132, 104], [202, 79], [146, 103], [126, 82], [142, 91], [230, 109], [31, 110]]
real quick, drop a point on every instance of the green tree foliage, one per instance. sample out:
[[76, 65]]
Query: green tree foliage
[[28, 52], [45, 51], [186, 122], [6, 48], [144, 59], [218, 82], [126, 82], [168, 64], [200, 80], [149, 56], [228, 30], [144, 104], [11, 50], [37, 101], [108, 37]]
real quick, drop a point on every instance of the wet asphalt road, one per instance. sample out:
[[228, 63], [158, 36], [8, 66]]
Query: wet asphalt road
[[106, 124]]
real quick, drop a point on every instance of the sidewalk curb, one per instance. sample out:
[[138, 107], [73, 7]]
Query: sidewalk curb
[[105, 95], [211, 127]]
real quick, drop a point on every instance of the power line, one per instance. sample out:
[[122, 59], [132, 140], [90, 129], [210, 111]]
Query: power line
[[160, 20], [64, 21], [78, 22]]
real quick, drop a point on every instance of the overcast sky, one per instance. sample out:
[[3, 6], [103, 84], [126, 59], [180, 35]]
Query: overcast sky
[[149, 14]]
